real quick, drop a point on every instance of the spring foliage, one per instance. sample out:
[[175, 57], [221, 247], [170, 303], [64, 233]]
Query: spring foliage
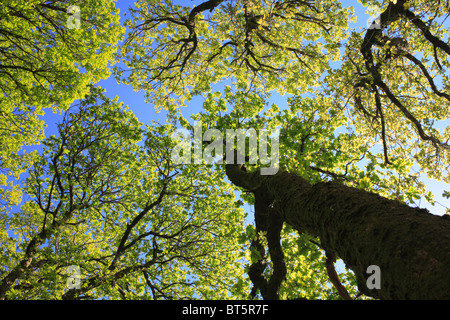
[[364, 108]]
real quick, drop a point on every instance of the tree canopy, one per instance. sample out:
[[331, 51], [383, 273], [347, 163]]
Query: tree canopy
[[50, 54], [365, 109]]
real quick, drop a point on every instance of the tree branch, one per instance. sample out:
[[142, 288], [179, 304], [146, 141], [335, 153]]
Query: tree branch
[[334, 278]]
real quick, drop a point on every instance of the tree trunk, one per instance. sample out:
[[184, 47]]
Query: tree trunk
[[410, 246]]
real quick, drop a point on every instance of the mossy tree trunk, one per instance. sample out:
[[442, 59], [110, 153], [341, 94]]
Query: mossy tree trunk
[[410, 246]]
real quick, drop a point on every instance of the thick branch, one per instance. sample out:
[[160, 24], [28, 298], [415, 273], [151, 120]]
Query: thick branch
[[334, 278], [435, 41], [276, 254], [374, 36], [122, 245], [268, 219]]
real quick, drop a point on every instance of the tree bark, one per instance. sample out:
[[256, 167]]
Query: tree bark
[[409, 245]]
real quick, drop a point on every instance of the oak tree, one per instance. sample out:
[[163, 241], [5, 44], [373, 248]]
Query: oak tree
[[388, 91], [363, 121]]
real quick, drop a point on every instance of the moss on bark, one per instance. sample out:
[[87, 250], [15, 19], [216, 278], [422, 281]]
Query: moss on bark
[[409, 245]]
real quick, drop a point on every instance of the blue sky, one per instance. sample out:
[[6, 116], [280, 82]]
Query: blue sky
[[146, 113]]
